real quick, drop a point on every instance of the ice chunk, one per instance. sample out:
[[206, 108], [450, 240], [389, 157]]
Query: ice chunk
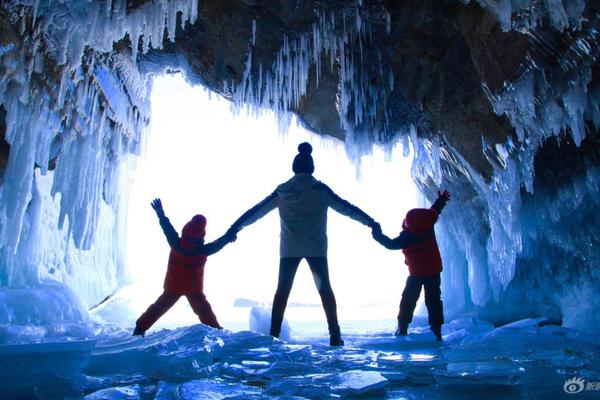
[[121, 392], [211, 390], [358, 382], [26, 366], [287, 368], [493, 373], [260, 321]]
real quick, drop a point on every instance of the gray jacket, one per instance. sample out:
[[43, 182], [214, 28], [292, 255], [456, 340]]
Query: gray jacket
[[303, 202]]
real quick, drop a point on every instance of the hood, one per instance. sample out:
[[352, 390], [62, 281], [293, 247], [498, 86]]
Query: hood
[[420, 220], [195, 229]]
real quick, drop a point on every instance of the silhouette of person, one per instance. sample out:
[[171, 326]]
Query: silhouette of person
[[421, 253], [302, 202], [185, 271]]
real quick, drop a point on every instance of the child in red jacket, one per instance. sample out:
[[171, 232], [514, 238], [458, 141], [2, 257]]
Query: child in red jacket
[[185, 271], [421, 253]]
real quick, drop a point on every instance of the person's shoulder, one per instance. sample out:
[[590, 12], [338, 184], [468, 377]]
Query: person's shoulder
[[317, 184]]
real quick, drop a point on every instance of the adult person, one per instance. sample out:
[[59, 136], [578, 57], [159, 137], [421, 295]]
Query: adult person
[[303, 202]]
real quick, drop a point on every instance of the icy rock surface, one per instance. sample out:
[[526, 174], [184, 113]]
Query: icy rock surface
[[86, 107], [198, 362], [75, 105]]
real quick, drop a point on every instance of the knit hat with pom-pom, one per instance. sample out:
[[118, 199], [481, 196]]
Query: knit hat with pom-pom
[[303, 162], [195, 228]]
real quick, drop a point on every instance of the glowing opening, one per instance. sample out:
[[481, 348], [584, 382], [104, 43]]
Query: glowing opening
[[202, 159]]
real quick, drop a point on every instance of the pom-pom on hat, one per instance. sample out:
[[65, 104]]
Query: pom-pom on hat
[[195, 228], [303, 162]]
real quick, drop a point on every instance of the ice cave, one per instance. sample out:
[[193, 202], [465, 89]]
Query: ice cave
[[496, 101]]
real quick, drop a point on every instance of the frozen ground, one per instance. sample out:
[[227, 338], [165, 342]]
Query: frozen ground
[[527, 359]]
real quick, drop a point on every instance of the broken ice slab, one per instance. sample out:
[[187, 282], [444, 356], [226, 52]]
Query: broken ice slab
[[561, 358], [288, 368], [120, 392], [491, 373], [358, 382], [211, 390], [24, 366], [297, 352], [409, 361], [204, 390], [416, 339]]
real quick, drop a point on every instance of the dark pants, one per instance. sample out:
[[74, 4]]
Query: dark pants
[[167, 300], [287, 271], [433, 299]]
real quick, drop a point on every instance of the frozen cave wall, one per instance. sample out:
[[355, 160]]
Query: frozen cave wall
[[499, 100]]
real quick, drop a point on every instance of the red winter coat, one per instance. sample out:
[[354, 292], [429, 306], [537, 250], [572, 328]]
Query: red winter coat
[[185, 274], [423, 259]]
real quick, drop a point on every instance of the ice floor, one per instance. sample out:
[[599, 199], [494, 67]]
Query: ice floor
[[527, 359]]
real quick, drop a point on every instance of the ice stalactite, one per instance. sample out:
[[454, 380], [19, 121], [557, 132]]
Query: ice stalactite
[[343, 38], [78, 105], [528, 14]]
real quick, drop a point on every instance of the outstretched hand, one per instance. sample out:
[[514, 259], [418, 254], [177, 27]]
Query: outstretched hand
[[444, 196], [440, 202], [157, 206]]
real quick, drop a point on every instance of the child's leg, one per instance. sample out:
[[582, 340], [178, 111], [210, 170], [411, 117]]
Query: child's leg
[[203, 310], [320, 272], [287, 271], [410, 295], [164, 302], [433, 300]]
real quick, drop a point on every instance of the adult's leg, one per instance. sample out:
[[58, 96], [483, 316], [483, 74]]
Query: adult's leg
[[156, 310], [203, 310], [287, 271], [410, 295], [433, 301], [320, 272]]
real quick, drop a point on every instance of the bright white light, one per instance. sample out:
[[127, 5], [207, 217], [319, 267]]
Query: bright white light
[[202, 159]]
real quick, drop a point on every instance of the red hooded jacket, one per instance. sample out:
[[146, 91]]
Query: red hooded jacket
[[185, 274], [423, 259]]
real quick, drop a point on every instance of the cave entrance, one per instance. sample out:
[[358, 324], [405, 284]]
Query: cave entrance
[[201, 158]]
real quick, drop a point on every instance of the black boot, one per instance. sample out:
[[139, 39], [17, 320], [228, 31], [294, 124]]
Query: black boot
[[138, 331], [437, 331], [274, 333], [335, 336], [402, 329]]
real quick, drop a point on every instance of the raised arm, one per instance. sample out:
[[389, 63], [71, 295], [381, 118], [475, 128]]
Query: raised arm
[[440, 202], [165, 224], [261, 209], [344, 207]]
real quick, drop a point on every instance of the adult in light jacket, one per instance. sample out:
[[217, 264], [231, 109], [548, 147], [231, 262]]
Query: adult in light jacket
[[303, 202]]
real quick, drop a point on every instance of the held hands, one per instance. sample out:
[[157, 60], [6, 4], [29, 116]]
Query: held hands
[[158, 208], [231, 234], [375, 228]]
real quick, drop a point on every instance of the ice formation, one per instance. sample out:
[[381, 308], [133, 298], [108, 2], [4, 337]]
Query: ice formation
[[74, 92], [72, 70], [527, 358], [86, 108]]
